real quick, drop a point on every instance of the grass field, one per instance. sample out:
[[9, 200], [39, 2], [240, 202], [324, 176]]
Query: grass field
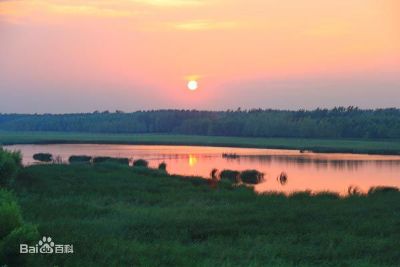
[[119, 216], [316, 145]]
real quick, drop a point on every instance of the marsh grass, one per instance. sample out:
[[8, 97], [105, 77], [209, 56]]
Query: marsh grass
[[282, 178], [162, 166], [43, 157], [230, 175], [140, 163], [251, 176], [117, 215], [79, 159], [382, 189], [112, 160]]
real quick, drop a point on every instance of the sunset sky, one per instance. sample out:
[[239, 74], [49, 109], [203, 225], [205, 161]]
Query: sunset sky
[[80, 56]]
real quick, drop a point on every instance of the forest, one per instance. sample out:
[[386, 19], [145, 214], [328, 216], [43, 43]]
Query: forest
[[338, 122]]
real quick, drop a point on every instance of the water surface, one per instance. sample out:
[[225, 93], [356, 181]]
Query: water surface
[[305, 171]]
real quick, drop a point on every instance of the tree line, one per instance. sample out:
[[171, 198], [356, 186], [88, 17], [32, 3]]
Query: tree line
[[339, 122]]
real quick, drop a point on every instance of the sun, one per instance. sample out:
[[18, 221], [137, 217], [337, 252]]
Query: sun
[[192, 85]]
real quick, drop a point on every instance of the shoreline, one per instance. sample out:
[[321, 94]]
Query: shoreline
[[348, 146]]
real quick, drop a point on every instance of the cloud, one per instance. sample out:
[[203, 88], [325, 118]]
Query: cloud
[[200, 25], [170, 3], [40, 8], [90, 10]]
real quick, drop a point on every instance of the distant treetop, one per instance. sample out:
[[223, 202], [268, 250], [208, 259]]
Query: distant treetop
[[339, 122]]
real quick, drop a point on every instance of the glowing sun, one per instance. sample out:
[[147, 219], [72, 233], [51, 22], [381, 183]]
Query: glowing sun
[[192, 85]]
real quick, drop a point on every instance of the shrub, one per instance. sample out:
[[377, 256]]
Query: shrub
[[79, 159], [124, 161], [13, 232], [282, 178], [9, 165], [233, 176], [97, 160], [162, 166], [354, 191], [251, 176], [43, 157], [140, 163], [16, 156], [382, 189], [9, 246], [10, 214], [214, 174]]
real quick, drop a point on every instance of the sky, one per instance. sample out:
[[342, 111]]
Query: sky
[[61, 56]]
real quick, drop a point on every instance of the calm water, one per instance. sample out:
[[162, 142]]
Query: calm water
[[306, 171]]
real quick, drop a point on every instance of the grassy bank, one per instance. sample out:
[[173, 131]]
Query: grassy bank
[[118, 216], [316, 145]]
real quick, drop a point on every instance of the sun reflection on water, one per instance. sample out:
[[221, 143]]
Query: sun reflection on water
[[192, 160]]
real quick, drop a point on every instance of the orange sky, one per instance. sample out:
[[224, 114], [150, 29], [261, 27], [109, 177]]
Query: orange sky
[[137, 54]]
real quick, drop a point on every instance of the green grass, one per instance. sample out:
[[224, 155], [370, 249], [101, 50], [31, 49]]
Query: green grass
[[118, 216], [316, 145]]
